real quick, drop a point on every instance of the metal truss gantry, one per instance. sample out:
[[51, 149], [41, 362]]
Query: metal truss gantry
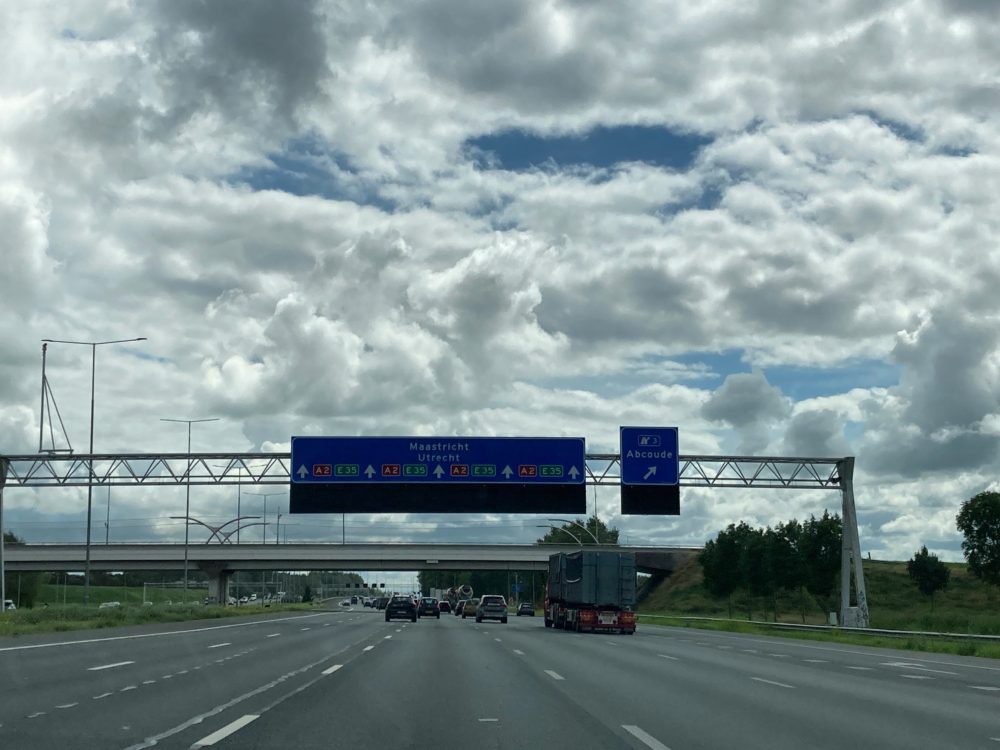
[[603, 469]]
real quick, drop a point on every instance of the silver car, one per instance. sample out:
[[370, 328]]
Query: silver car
[[492, 607]]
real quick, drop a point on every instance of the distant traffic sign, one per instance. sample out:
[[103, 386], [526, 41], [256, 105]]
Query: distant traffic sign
[[649, 455], [332, 460]]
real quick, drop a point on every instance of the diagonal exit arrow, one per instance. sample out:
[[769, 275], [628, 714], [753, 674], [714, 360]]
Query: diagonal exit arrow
[[507, 471], [438, 471], [650, 473], [302, 472], [370, 471]]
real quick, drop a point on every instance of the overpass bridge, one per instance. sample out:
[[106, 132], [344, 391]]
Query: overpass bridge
[[220, 561]]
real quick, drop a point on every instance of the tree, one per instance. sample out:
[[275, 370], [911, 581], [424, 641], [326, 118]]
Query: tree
[[787, 563], [565, 534], [719, 561], [821, 541], [979, 520], [307, 594], [23, 588], [928, 572]]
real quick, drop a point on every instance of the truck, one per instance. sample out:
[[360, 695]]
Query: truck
[[591, 591]]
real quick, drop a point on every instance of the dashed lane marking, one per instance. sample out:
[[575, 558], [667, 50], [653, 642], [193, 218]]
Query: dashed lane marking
[[68, 705], [772, 682], [102, 695], [128, 687], [519, 652], [220, 645], [645, 738], [989, 688], [273, 635], [862, 669], [331, 670], [110, 666], [386, 638], [305, 629], [667, 656], [488, 720], [916, 677], [817, 661], [227, 730], [36, 714], [367, 648], [554, 675], [148, 682]]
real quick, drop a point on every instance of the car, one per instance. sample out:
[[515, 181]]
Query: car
[[382, 602], [109, 605], [526, 608], [230, 601], [444, 606], [492, 607], [428, 605], [8, 604], [345, 603], [244, 600], [401, 607], [470, 606], [354, 600], [459, 606]]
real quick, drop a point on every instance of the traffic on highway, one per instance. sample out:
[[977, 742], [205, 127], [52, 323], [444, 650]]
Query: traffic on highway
[[347, 677]]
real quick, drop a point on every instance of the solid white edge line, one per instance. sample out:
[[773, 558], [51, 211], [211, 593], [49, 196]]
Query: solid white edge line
[[331, 670], [109, 666], [227, 730], [554, 675], [990, 688], [646, 739], [772, 682]]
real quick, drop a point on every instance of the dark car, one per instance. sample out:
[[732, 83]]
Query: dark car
[[459, 607], [401, 608], [444, 606], [526, 608], [428, 606], [382, 602]]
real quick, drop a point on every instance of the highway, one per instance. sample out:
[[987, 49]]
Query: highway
[[349, 679]]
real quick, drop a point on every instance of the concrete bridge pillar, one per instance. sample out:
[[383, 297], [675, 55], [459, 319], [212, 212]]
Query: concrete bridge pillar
[[218, 581]]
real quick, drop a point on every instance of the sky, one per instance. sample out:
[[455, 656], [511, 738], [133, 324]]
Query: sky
[[773, 226]]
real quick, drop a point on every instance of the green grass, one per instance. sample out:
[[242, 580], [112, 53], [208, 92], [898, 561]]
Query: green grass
[[967, 606], [55, 619]]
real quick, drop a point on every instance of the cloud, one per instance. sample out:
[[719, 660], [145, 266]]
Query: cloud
[[750, 405]]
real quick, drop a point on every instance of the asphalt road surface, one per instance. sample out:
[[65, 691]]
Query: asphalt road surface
[[349, 679]]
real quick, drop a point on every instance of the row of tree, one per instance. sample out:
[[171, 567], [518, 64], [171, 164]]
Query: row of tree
[[763, 562]]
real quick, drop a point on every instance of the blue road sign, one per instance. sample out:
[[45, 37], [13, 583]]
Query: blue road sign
[[437, 460], [649, 455]]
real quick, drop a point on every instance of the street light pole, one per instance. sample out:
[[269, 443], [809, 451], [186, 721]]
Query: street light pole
[[265, 495], [574, 537], [566, 520], [187, 489], [107, 520], [90, 464], [277, 531]]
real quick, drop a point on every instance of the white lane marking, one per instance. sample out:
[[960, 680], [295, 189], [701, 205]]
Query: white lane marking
[[702, 643], [779, 656], [646, 739], [990, 688], [995, 739], [148, 682], [102, 695], [666, 656], [862, 669], [554, 675], [326, 624], [498, 640], [485, 720], [305, 629], [36, 714], [331, 670], [750, 650], [367, 648], [68, 705], [127, 688], [157, 635], [916, 677], [225, 731], [166, 677], [109, 666], [519, 652], [220, 645], [196, 668], [273, 635], [153, 740], [908, 665], [183, 671], [399, 630], [388, 637], [772, 682], [724, 648], [817, 661]]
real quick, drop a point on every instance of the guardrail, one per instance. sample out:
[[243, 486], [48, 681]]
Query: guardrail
[[835, 629]]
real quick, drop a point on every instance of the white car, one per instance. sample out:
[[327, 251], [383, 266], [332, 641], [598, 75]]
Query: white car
[[8, 604], [345, 603]]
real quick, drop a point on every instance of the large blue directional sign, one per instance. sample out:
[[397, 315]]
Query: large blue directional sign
[[649, 455], [437, 474], [402, 460]]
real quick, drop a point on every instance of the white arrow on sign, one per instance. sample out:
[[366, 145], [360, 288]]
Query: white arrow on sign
[[507, 471], [302, 472], [651, 472], [573, 472], [438, 471], [370, 471]]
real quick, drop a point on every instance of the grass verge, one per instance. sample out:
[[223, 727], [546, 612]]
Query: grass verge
[[912, 643], [77, 617]]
